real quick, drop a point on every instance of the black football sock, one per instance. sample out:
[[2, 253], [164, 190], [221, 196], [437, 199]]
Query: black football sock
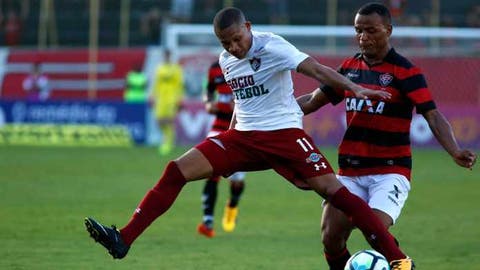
[[236, 190], [209, 196]]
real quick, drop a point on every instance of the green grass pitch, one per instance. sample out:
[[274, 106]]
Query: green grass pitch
[[45, 193]]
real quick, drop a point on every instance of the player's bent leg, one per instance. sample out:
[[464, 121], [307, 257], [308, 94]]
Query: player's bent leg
[[159, 199], [361, 214], [156, 202], [237, 185], [336, 229], [190, 166], [209, 198], [230, 214]]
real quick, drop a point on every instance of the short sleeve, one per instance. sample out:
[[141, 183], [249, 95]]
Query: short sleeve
[[416, 89], [287, 55]]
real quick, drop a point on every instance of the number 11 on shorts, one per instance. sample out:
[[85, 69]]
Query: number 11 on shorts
[[306, 146]]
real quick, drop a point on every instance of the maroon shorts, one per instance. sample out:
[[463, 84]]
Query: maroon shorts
[[290, 152]]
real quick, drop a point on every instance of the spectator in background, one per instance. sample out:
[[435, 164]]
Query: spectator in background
[[136, 85], [13, 14], [181, 10], [473, 16], [12, 28], [150, 26], [167, 96], [278, 11], [396, 7], [36, 85], [209, 9]]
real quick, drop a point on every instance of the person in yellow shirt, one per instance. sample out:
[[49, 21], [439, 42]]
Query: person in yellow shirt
[[168, 91]]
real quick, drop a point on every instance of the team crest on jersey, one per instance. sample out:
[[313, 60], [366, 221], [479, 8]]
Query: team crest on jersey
[[255, 63], [385, 79], [314, 157]]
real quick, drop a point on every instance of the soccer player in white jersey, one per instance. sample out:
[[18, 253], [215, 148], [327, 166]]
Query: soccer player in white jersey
[[266, 133]]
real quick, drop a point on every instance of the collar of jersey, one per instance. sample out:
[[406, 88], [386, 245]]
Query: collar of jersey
[[252, 48]]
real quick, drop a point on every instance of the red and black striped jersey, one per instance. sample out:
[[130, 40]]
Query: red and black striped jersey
[[217, 86], [377, 139]]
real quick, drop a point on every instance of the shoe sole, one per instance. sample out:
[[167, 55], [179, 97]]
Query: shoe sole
[[228, 226], [91, 230], [206, 235], [228, 229]]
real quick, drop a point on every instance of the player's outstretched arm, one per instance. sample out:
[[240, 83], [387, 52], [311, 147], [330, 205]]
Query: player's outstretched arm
[[312, 101], [330, 77], [443, 132]]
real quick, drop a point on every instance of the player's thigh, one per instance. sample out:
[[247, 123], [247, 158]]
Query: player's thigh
[[325, 185], [354, 186], [293, 154], [194, 165], [388, 193], [227, 154]]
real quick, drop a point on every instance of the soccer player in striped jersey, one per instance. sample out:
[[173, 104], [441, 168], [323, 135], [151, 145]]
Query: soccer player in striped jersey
[[219, 101], [374, 156], [266, 133]]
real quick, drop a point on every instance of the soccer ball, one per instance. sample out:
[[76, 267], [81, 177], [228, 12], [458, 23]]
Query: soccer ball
[[367, 260]]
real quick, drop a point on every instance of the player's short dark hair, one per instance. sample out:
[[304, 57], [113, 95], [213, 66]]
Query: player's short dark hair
[[228, 16], [378, 8]]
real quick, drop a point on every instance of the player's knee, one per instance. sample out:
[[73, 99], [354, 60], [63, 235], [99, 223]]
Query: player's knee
[[325, 185], [194, 165]]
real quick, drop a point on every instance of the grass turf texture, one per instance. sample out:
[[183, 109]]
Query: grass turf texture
[[46, 192]]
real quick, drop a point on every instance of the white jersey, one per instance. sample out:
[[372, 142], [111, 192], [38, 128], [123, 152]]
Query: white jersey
[[262, 84]]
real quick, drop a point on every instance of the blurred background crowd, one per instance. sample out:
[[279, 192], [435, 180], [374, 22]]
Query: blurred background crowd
[[109, 62], [139, 22]]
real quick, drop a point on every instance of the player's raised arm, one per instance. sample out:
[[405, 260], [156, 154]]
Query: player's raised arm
[[330, 77], [312, 101]]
